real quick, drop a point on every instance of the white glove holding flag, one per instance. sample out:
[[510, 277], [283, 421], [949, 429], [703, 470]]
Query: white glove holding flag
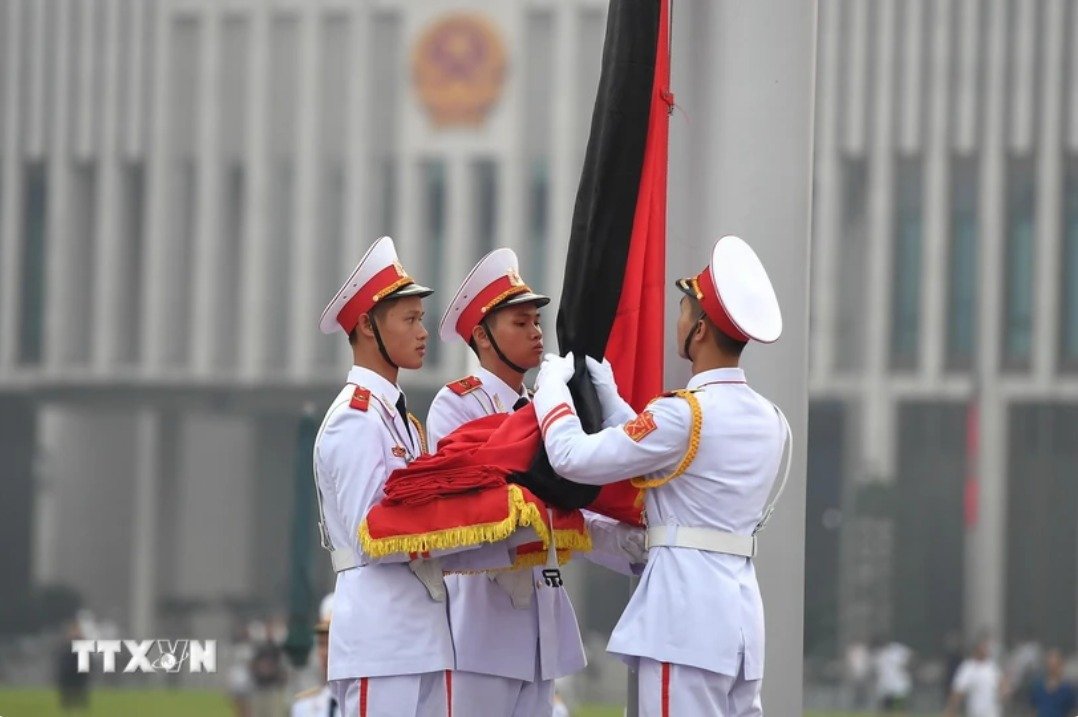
[[551, 391], [556, 368], [615, 409]]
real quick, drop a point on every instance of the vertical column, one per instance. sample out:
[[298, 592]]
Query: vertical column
[[410, 206], [149, 447], [859, 39], [936, 195], [1022, 63], [458, 250], [155, 252], [358, 212], [759, 134], [59, 271], [108, 259], [879, 413], [47, 490], [967, 76], [206, 270], [411, 199], [86, 119], [1072, 76], [827, 190], [512, 163], [985, 541], [255, 240], [305, 240], [135, 115], [911, 90], [11, 185], [36, 119], [563, 174], [18, 445], [1049, 197]]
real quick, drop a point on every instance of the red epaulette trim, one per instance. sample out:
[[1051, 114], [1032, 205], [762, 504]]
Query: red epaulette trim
[[464, 386], [361, 399]]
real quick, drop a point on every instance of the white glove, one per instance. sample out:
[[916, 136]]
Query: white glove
[[556, 368], [615, 545], [429, 572], [518, 583], [551, 390], [634, 542], [615, 409]]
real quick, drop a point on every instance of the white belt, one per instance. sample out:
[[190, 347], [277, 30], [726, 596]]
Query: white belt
[[709, 539], [343, 559]]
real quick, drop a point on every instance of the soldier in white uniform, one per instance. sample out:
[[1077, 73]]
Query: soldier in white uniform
[[513, 634], [709, 457], [318, 701], [390, 651]]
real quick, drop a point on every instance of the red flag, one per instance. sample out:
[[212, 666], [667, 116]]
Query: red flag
[[635, 348]]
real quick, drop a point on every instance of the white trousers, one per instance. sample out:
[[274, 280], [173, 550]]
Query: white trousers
[[422, 695], [667, 690], [476, 695]]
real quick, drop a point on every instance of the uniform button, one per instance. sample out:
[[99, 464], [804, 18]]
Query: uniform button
[[538, 583]]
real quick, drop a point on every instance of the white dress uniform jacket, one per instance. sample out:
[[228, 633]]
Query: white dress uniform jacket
[[384, 620], [541, 642], [695, 608]]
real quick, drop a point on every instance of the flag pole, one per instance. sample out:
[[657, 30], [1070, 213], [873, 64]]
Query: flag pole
[[632, 699]]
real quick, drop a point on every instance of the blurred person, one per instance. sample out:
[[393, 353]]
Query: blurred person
[[891, 664], [88, 625], [708, 457], [1023, 663], [268, 675], [953, 655], [73, 686], [318, 701], [240, 684], [979, 684], [858, 674], [1050, 694], [498, 316]]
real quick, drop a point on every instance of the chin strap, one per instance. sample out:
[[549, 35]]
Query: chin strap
[[688, 338], [498, 350], [381, 345]]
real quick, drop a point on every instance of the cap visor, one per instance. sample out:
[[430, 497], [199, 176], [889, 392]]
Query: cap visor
[[526, 298], [410, 290], [685, 285]]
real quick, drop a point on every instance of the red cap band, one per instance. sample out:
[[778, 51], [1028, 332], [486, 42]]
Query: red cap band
[[380, 285], [712, 304], [495, 293]]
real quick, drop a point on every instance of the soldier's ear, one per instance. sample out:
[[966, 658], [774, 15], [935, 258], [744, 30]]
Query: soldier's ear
[[480, 336], [702, 330], [364, 327]]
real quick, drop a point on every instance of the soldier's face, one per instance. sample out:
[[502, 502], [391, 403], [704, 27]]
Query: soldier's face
[[402, 330], [519, 335]]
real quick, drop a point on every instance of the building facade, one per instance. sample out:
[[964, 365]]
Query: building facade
[[184, 183], [945, 318]]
